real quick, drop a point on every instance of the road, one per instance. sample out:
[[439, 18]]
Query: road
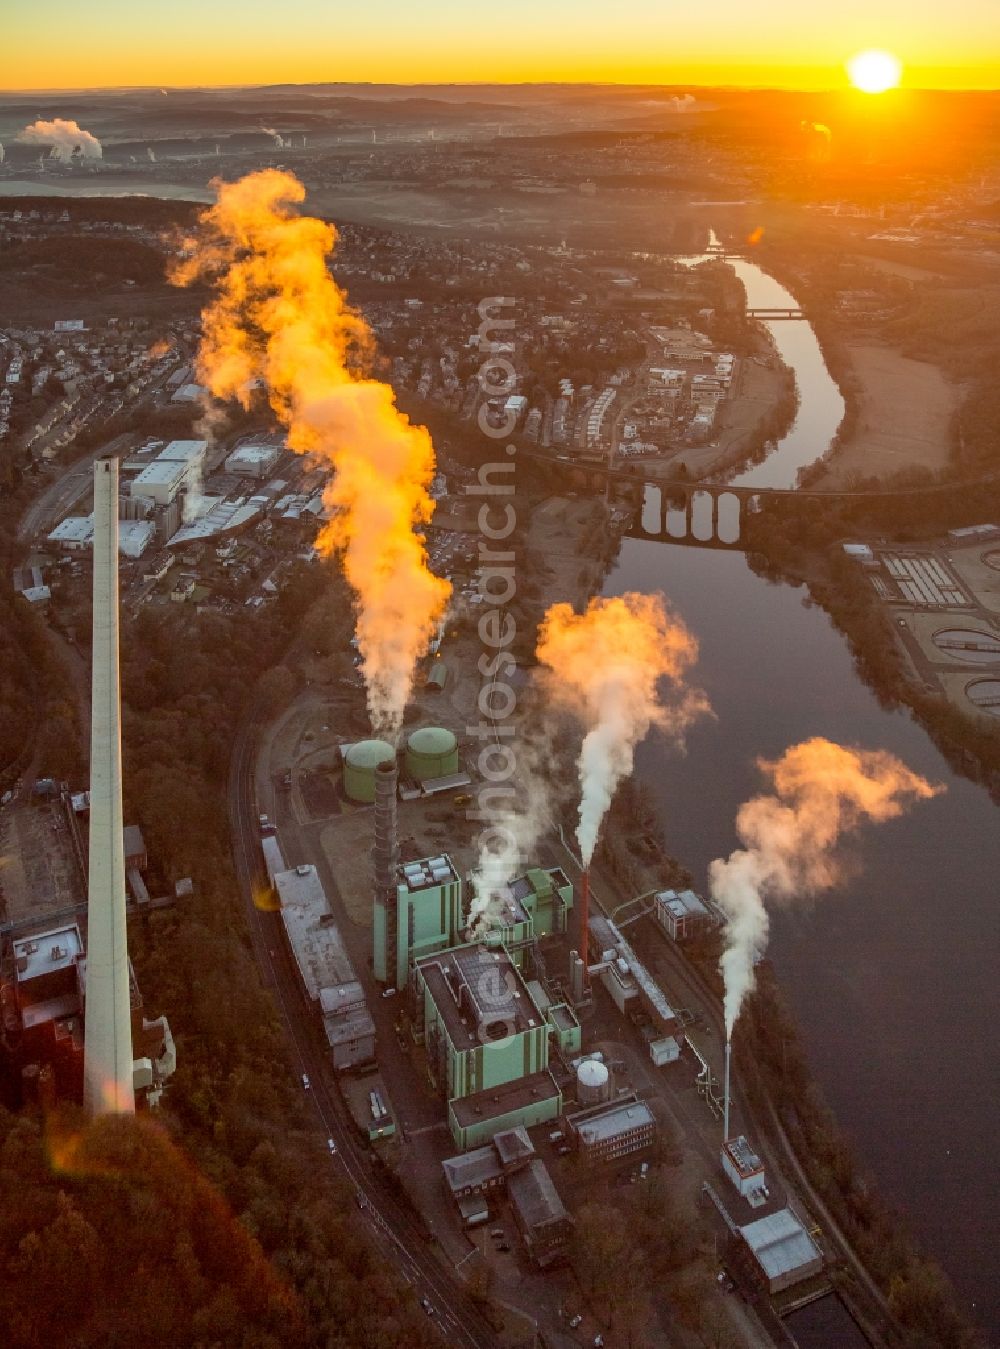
[[392, 1227]]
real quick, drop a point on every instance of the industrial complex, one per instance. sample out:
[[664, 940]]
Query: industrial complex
[[496, 1022]]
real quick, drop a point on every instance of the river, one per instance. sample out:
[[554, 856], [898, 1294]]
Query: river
[[893, 976]]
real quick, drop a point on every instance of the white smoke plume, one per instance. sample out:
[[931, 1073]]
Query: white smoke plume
[[66, 138], [605, 665], [1, 154], [150, 154], [276, 136], [821, 791], [515, 818]]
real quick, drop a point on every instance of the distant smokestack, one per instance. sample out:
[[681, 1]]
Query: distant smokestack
[[107, 1055], [386, 859], [725, 1095], [577, 975], [585, 923]]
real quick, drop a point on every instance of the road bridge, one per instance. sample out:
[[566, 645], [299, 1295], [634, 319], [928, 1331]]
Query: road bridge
[[770, 315]]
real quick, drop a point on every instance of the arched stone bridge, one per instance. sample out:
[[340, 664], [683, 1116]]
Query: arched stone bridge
[[711, 515]]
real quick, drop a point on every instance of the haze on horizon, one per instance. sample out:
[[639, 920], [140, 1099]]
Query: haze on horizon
[[388, 41]]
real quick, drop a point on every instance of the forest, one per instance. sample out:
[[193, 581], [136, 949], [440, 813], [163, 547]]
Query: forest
[[218, 1221]]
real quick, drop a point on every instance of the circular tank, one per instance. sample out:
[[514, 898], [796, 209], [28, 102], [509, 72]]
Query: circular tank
[[360, 762], [431, 752], [593, 1082]]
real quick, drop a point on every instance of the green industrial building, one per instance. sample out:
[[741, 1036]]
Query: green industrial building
[[535, 905], [486, 1041], [428, 917]]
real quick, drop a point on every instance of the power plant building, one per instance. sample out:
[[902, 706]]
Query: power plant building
[[781, 1251], [534, 905], [746, 1170], [487, 1043], [682, 914], [428, 915], [325, 968]]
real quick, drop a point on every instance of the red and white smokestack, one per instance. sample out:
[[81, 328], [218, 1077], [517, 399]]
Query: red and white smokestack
[[585, 923], [725, 1096]]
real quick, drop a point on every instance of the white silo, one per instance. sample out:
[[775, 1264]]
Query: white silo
[[593, 1082]]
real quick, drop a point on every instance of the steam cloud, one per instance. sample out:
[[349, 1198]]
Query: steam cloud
[[66, 138], [276, 136], [511, 836], [821, 791], [605, 666], [279, 316]]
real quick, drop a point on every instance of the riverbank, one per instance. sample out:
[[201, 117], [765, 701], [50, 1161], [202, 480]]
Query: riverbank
[[900, 413]]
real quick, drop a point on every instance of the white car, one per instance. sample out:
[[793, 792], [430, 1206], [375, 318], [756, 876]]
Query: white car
[[331, 1145], [305, 1081]]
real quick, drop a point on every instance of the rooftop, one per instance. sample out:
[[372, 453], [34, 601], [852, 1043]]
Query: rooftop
[[254, 453], [478, 1167], [341, 998], [780, 1243], [74, 529], [616, 1119], [314, 937], [47, 951], [513, 1146], [743, 1157], [353, 1024], [683, 903], [478, 989], [495, 1102], [426, 872], [159, 471], [535, 1197], [184, 450]]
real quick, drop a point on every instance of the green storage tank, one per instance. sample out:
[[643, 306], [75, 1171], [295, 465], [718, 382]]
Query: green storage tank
[[360, 762], [431, 752]]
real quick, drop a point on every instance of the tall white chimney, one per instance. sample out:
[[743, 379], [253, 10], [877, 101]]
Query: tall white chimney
[[725, 1096], [107, 1050]]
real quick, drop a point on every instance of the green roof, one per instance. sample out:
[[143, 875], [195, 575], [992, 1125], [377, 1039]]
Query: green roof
[[369, 753], [431, 740]]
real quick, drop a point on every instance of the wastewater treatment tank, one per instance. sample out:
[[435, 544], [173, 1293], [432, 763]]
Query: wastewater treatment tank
[[360, 762], [431, 752]]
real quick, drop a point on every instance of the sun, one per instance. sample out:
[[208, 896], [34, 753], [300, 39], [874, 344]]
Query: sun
[[873, 72]]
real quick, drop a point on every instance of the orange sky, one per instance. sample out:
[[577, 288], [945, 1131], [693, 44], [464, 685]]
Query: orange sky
[[777, 42]]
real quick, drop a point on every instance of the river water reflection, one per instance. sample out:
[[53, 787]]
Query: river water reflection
[[892, 977]]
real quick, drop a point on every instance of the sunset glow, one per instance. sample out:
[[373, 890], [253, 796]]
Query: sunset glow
[[305, 41]]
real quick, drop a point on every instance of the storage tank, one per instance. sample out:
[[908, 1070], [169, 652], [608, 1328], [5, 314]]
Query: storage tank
[[360, 762], [431, 752], [593, 1083]]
